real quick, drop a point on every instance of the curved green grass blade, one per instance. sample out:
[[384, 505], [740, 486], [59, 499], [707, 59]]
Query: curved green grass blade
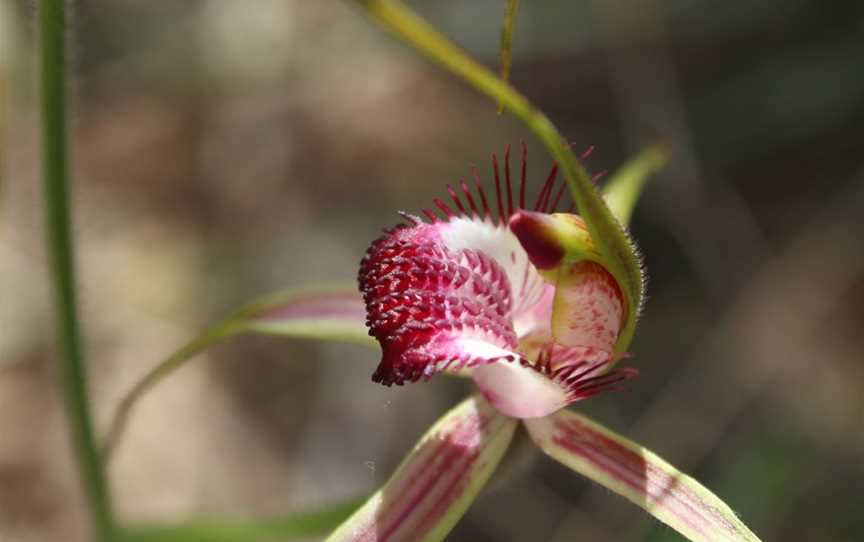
[[617, 250], [638, 475], [436, 483], [336, 314]]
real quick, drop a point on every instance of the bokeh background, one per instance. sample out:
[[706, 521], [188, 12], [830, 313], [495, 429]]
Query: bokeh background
[[224, 149]]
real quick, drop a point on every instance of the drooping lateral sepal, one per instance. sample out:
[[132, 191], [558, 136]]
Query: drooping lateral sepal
[[638, 475], [323, 313], [437, 481], [335, 314]]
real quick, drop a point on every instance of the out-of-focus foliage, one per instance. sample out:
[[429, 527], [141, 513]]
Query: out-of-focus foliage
[[222, 152]]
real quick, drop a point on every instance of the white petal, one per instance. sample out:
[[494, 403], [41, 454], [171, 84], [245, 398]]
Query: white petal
[[518, 391]]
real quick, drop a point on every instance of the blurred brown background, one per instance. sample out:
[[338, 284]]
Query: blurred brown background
[[224, 149]]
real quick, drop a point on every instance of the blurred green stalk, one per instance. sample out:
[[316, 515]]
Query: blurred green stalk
[[60, 250], [298, 526], [506, 49]]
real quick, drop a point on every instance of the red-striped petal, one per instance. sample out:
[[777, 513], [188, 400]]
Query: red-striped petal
[[437, 481], [639, 475]]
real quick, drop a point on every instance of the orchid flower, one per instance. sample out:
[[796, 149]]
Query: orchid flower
[[514, 297], [517, 298]]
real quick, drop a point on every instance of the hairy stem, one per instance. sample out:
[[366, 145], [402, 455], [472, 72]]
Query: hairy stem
[[60, 250]]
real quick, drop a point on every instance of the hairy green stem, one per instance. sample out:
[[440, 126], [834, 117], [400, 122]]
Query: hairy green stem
[[618, 252], [60, 250]]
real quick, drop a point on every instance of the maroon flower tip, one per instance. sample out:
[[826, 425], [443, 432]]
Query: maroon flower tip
[[532, 230], [420, 296]]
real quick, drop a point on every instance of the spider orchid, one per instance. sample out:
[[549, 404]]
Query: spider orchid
[[517, 299], [520, 300], [514, 296]]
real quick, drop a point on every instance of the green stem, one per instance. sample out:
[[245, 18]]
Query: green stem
[[618, 252], [303, 526], [506, 54], [60, 250]]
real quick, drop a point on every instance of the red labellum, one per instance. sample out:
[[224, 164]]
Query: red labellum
[[420, 296]]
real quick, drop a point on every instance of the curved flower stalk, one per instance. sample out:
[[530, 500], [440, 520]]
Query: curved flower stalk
[[522, 299]]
